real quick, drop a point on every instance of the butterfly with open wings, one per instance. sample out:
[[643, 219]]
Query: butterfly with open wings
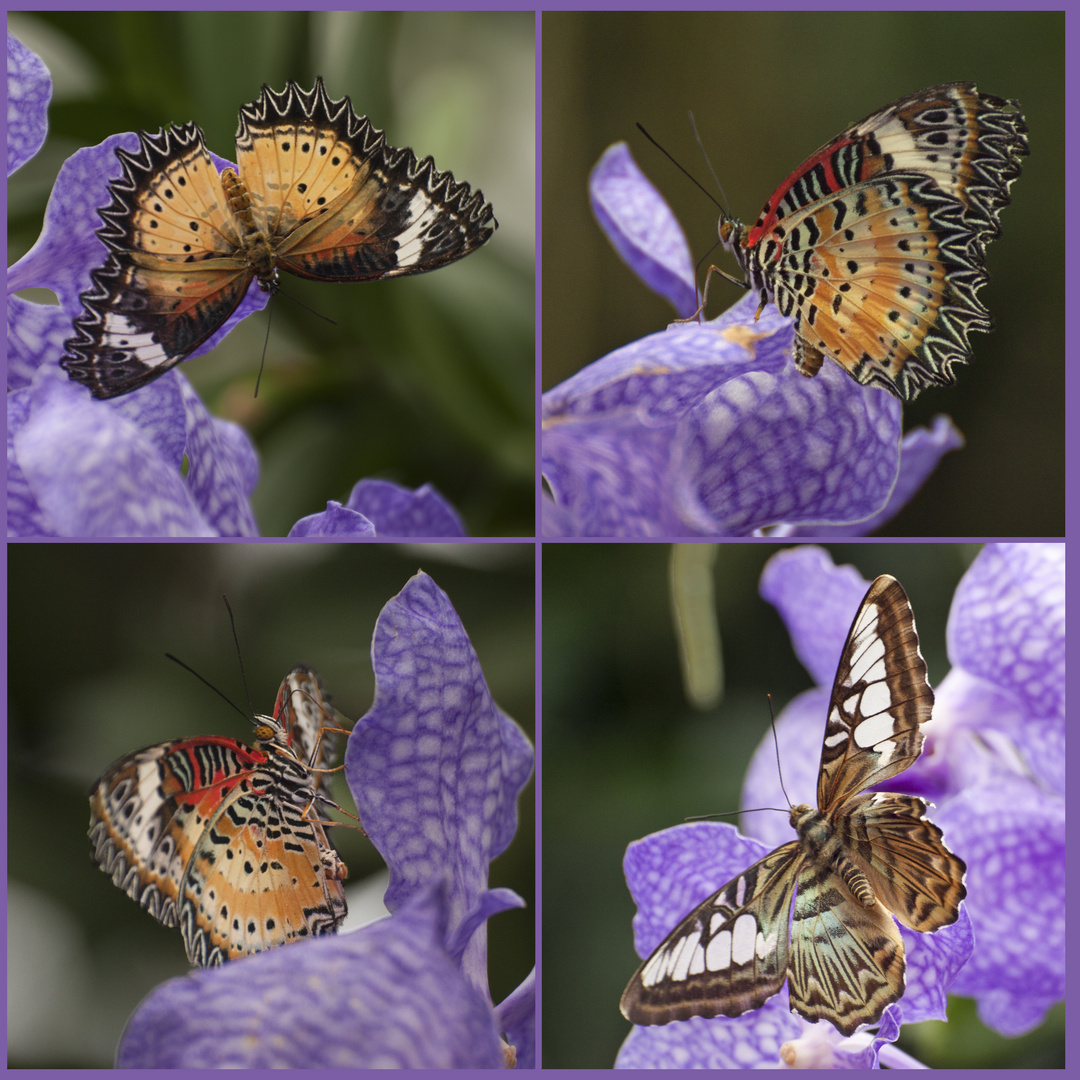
[[818, 911], [317, 192]]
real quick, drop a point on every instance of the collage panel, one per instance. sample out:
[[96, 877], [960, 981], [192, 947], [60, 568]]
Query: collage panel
[[872, 260], [239, 833], [373, 173], [667, 825]]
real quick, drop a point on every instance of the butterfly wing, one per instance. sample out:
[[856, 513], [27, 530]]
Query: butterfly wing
[[728, 956], [339, 203], [304, 712], [876, 243], [894, 281], [904, 858], [880, 697], [173, 276], [149, 810], [847, 960], [260, 876]]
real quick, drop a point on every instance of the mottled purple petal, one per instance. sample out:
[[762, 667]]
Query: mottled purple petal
[[709, 430], [767, 447], [1007, 623], [515, 1016], [642, 229], [25, 516], [36, 335], [435, 766], [933, 962], [397, 511], [920, 452], [29, 88], [335, 520], [68, 247], [817, 602], [386, 996], [94, 473], [491, 902], [1012, 836], [222, 466]]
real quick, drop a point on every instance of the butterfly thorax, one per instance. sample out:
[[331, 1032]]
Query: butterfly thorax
[[285, 772], [258, 251], [824, 850]]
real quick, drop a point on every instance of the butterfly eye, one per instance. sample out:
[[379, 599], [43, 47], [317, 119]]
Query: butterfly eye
[[264, 732]]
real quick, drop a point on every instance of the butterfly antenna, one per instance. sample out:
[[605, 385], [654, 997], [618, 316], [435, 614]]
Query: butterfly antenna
[[686, 172], [258, 378], [729, 813], [776, 743], [712, 171], [207, 682], [239, 657]]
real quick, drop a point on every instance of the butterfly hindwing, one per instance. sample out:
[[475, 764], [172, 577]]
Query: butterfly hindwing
[[904, 858], [253, 847]]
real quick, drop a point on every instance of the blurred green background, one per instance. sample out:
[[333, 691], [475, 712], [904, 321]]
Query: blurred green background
[[624, 755], [427, 379], [767, 89], [88, 626]]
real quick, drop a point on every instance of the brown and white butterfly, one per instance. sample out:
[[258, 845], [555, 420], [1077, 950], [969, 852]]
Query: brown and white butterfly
[[818, 911]]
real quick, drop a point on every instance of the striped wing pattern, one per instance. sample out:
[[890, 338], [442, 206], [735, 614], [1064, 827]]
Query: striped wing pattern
[[219, 838], [876, 244], [860, 859]]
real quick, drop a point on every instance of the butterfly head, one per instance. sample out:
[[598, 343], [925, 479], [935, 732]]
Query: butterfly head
[[731, 231]]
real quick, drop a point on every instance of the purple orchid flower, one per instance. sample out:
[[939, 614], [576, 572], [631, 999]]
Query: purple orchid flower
[[436, 768], [398, 512], [992, 763], [706, 429], [88, 468]]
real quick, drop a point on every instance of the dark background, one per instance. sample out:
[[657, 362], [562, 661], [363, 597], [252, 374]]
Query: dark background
[[624, 755], [88, 626], [423, 379], [767, 89]]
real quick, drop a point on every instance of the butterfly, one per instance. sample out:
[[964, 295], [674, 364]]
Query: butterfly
[[318, 192], [860, 858], [223, 839], [876, 244]]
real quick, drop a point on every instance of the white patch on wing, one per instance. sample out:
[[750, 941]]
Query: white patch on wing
[[718, 954], [744, 938], [876, 699], [683, 955], [876, 729]]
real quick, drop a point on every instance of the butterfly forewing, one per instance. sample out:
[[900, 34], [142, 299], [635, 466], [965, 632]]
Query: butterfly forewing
[[859, 860], [847, 959], [727, 956], [880, 697]]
